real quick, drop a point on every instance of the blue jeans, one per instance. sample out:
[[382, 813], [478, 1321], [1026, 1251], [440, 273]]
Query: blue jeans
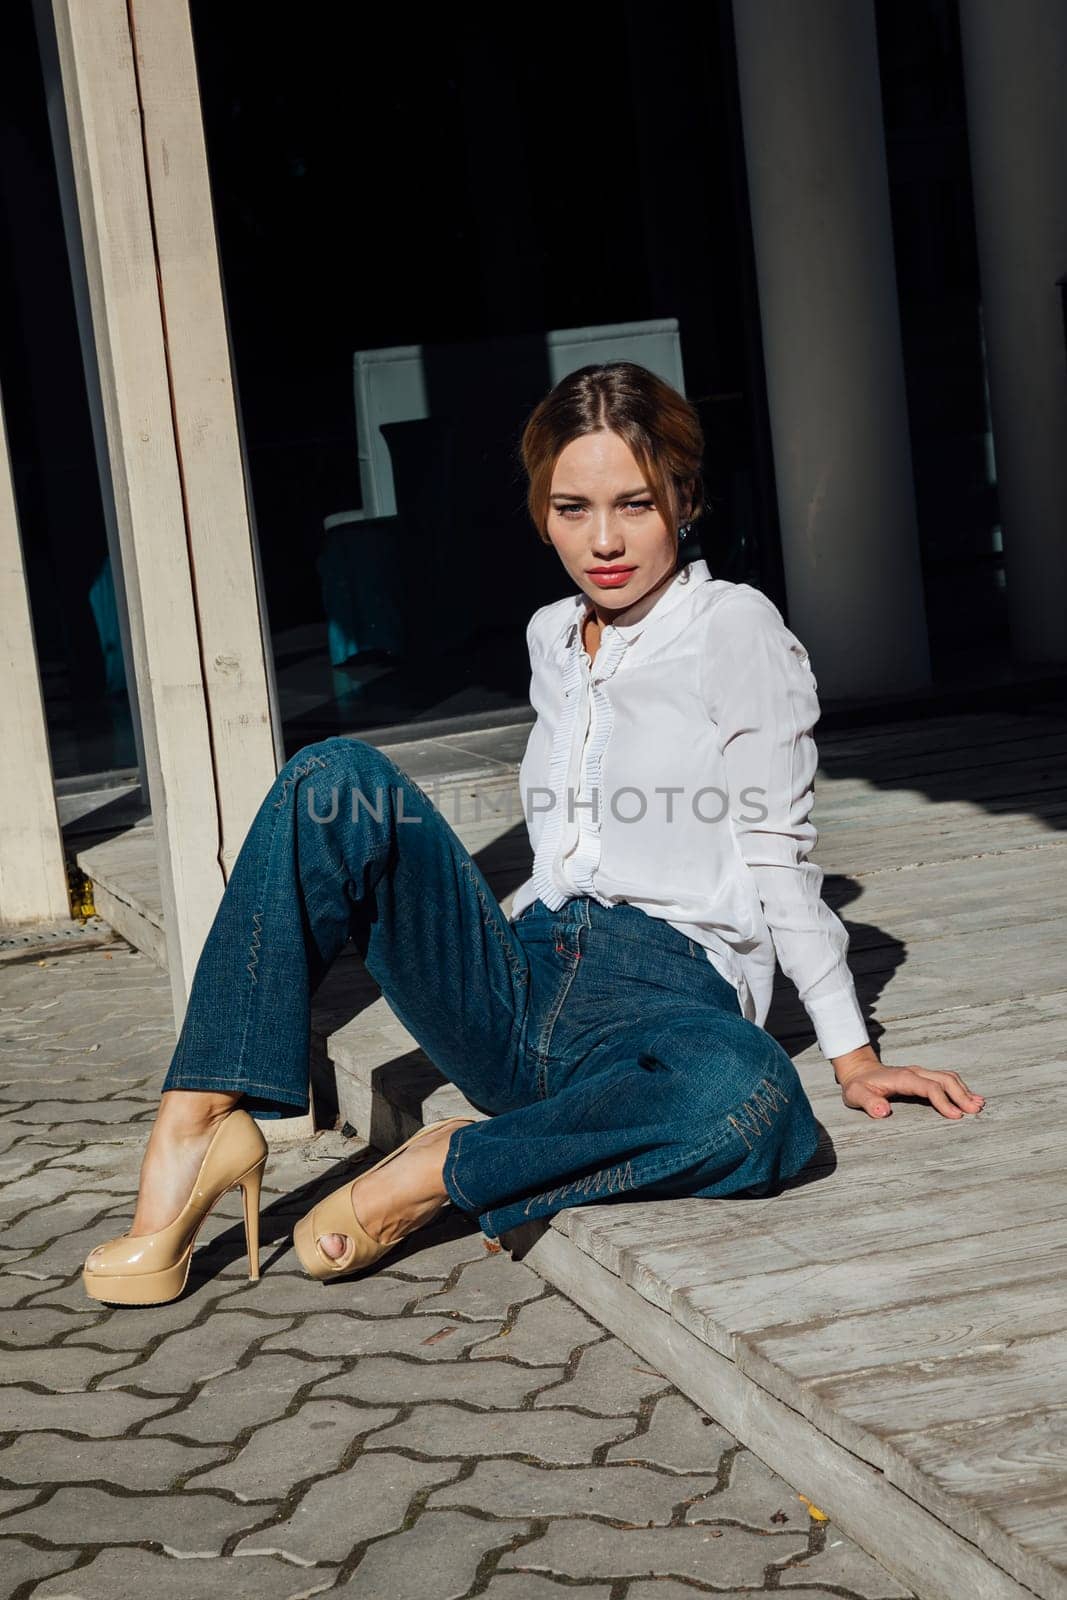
[[611, 1057]]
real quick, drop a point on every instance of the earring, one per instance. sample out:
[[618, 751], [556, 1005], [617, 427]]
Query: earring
[[683, 531]]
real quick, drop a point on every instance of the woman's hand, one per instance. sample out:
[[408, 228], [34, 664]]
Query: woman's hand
[[866, 1085]]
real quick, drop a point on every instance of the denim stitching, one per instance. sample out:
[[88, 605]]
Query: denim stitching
[[759, 1107], [185, 1080], [452, 1158], [611, 1089], [723, 1139], [613, 1180], [493, 926], [297, 772], [545, 1041], [257, 927]]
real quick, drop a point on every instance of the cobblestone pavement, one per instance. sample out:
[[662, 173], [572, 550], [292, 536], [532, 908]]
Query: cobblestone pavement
[[448, 1426]]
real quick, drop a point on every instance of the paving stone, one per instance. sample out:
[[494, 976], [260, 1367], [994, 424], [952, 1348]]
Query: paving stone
[[576, 1549], [679, 1438], [70, 1216], [67, 1292], [284, 1453], [625, 1494], [368, 1499], [131, 1463], [245, 1398], [444, 1543], [193, 1356], [12, 1499], [21, 1562], [187, 1524], [75, 1091], [279, 1292], [558, 1437], [529, 1586], [25, 1150], [38, 1325], [62, 1135], [34, 1189], [9, 1136], [98, 1416], [119, 1161], [134, 1327], [16, 1287], [482, 1383], [754, 1495], [486, 1289], [337, 1335], [668, 1589], [545, 1333], [842, 1563], [117, 1113], [67, 1252], [433, 1252], [609, 1379], [59, 1369], [119, 1574]]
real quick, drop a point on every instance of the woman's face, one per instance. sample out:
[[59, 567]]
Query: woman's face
[[601, 516]]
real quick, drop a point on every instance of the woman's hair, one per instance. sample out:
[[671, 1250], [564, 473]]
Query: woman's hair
[[660, 426]]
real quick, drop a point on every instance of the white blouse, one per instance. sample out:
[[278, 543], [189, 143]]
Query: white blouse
[[676, 772]]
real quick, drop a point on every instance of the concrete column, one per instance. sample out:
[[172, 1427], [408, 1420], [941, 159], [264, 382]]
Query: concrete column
[[815, 155], [33, 878], [1015, 72]]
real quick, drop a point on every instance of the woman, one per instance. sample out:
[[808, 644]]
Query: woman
[[611, 1030]]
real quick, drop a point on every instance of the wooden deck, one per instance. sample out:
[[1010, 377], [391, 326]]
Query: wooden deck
[[890, 1334]]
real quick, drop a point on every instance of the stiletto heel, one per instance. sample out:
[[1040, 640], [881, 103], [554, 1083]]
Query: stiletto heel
[[250, 1187], [335, 1214], [151, 1268]]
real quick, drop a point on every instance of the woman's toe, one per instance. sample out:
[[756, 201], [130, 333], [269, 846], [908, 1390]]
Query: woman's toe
[[333, 1245]]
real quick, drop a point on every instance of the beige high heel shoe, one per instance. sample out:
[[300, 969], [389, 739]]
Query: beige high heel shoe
[[335, 1214], [151, 1268]]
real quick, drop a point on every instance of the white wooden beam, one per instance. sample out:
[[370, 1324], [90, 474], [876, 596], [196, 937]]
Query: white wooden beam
[[33, 878], [140, 172], [205, 416]]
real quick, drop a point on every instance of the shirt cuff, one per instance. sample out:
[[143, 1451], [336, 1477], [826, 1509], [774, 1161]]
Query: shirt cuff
[[838, 1022]]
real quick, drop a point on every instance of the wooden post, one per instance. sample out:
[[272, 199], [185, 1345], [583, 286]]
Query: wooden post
[[200, 649], [33, 878]]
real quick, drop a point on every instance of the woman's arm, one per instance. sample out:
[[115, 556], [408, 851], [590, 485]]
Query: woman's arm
[[761, 693], [764, 698]]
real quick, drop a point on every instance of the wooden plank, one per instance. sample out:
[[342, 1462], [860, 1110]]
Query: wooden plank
[[891, 1400], [910, 1274], [792, 1255], [234, 645], [952, 1328], [991, 1459], [104, 122]]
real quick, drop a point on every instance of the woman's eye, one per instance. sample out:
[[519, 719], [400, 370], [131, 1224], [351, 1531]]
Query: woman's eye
[[631, 505]]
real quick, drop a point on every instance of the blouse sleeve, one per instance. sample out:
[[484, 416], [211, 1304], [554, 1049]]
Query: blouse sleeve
[[761, 691]]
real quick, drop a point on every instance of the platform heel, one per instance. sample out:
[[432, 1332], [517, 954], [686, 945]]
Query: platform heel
[[151, 1268]]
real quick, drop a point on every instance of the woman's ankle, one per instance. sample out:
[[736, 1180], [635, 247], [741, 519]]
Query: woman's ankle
[[194, 1110]]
